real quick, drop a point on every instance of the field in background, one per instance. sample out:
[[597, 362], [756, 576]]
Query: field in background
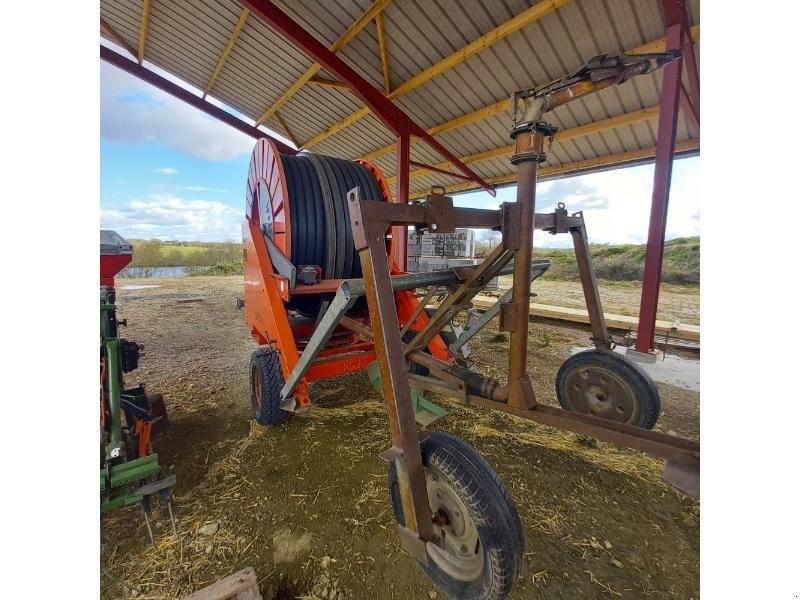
[[625, 262], [212, 258], [622, 263]]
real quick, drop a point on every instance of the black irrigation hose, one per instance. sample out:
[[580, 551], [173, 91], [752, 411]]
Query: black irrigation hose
[[317, 186]]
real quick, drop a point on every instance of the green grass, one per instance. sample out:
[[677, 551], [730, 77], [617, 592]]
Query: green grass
[[625, 262], [186, 250], [221, 269], [155, 253]]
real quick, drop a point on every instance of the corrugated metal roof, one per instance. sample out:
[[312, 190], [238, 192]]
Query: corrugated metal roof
[[187, 39]]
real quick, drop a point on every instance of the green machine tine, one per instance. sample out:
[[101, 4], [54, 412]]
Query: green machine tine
[[120, 502], [112, 351], [425, 412], [133, 470]]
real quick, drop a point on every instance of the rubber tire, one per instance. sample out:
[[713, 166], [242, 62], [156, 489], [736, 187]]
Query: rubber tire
[[265, 364], [642, 384], [491, 508]]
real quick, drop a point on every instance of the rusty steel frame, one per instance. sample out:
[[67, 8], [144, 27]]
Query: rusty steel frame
[[369, 220], [517, 221]]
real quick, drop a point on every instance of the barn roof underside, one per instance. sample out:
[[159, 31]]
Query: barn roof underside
[[218, 46]]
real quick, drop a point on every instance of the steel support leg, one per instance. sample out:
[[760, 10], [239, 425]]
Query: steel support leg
[[405, 451], [341, 303], [665, 148], [597, 319], [528, 152]]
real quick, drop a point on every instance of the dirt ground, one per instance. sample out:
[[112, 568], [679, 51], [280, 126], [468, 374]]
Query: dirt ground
[[307, 505]]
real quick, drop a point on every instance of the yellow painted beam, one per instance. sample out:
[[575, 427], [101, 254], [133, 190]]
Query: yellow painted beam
[[660, 45], [117, 38], [575, 166], [143, 29], [343, 40], [478, 115], [228, 47], [525, 18], [387, 83], [630, 118], [505, 105], [337, 127], [285, 128], [328, 83]]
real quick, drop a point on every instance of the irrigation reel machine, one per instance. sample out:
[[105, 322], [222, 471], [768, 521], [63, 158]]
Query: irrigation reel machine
[[325, 295]]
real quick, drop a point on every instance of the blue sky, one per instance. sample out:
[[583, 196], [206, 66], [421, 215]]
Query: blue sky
[[169, 171]]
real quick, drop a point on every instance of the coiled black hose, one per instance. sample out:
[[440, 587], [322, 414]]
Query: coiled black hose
[[320, 222]]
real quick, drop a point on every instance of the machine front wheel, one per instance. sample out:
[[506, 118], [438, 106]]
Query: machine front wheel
[[479, 546], [266, 381], [606, 385]]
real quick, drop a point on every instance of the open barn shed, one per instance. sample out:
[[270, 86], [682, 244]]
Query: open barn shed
[[367, 118], [450, 67]]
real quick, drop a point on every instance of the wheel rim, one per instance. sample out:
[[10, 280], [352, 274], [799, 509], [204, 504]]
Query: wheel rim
[[459, 552], [256, 389], [599, 391]]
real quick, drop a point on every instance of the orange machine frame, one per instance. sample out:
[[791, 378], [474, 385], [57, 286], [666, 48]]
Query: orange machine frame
[[267, 293]]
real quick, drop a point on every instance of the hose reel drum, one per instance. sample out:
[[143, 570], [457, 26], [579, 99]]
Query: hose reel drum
[[300, 205]]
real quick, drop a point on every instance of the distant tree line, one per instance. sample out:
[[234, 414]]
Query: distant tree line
[[622, 262], [155, 253]]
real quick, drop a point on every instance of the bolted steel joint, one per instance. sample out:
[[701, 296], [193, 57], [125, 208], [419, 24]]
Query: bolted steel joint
[[529, 143]]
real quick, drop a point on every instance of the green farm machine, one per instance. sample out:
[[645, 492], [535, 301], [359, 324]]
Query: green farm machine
[[129, 471]]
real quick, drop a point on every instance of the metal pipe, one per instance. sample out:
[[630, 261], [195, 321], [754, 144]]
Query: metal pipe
[[112, 353], [528, 152], [476, 383], [411, 281]]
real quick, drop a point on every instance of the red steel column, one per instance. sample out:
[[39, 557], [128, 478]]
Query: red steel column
[[665, 148]]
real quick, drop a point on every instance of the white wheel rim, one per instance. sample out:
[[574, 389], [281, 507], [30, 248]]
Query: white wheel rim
[[459, 552]]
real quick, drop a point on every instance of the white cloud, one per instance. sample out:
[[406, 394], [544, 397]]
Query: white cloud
[[201, 188], [166, 171], [134, 112], [615, 204], [169, 217]]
